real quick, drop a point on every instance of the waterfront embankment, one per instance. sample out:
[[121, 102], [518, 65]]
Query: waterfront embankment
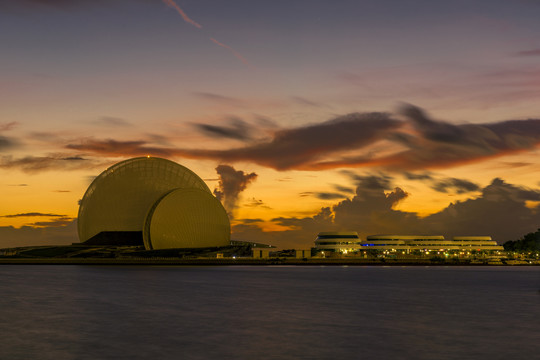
[[262, 262]]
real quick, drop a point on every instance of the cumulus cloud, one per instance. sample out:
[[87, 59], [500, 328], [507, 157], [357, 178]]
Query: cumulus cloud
[[366, 212], [230, 184], [500, 211], [371, 208]]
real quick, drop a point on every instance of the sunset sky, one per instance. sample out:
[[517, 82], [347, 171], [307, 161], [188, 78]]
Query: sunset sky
[[383, 116]]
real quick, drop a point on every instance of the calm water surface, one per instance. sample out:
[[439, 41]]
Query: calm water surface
[[118, 312]]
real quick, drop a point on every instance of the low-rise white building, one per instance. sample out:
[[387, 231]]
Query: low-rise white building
[[340, 241], [478, 243], [405, 242], [345, 242]]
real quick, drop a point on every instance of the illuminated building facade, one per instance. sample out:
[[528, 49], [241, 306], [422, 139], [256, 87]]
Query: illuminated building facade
[[155, 202], [407, 242], [478, 243], [342, 242], [412, 243], [403, 243]]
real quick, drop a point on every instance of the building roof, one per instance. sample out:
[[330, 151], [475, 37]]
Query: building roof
[[338, 233], [405, 237]]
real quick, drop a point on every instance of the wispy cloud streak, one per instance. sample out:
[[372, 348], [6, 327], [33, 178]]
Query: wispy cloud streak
[[35, 164], [234, 52], [32, 214], [173, 5], [8, 126], [533, 52]]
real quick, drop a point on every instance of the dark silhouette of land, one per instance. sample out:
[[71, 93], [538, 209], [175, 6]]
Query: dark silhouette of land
[[238, 254]]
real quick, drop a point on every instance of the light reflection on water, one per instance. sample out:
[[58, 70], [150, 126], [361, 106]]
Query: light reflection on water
[[117, 312]]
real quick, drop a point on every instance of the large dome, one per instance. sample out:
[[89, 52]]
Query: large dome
[[186, 218], [121, 196]]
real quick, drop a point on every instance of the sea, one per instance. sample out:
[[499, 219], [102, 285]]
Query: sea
[[269, 312]]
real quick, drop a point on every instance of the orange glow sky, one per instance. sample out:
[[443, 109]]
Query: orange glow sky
[[327, 103]]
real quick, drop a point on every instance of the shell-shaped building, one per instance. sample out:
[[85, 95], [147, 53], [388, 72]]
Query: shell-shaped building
[[186, 218], [155, 199]]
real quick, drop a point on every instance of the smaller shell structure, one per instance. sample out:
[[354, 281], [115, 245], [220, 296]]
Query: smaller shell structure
[[129, 194], [186, 218]]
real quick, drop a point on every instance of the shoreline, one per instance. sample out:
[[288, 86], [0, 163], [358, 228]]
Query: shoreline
[[247, 261]]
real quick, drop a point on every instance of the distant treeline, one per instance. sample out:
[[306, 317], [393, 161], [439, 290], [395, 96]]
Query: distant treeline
[[529, 242]]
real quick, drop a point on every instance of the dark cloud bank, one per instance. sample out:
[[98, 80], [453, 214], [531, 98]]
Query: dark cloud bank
[[419, 144], [42, 233], [499, 211], [422, 143], [296, 148]]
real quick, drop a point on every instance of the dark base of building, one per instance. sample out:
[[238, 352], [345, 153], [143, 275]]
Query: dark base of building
[[116, 238]]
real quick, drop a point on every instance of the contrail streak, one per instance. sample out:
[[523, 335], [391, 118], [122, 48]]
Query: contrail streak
[[235, 53], [172, 4]]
